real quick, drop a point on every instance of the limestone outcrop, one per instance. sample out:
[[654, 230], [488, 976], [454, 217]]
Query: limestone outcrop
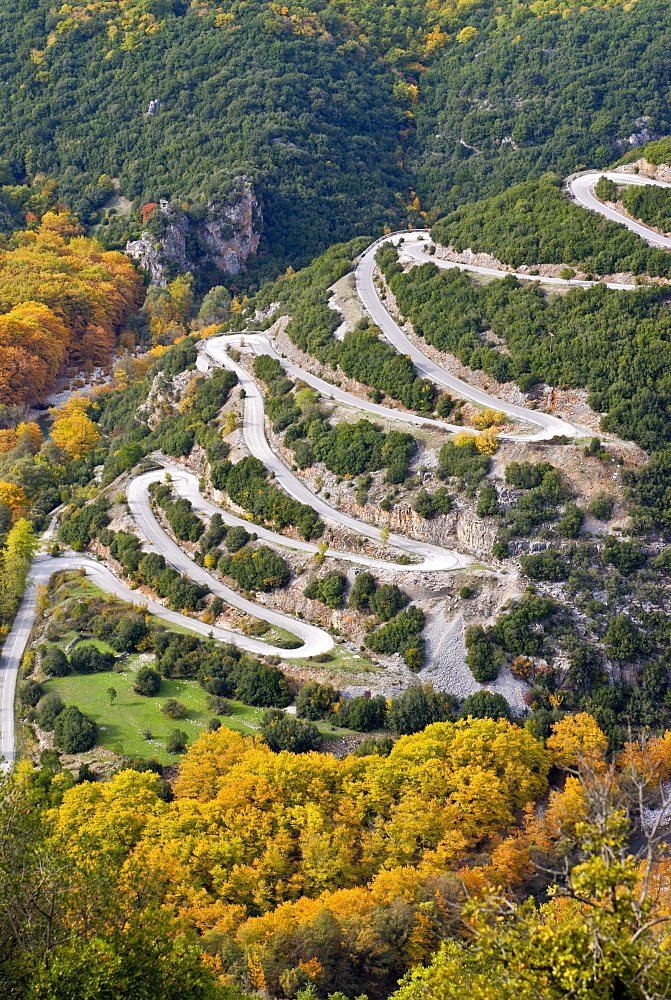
[[217, 236]]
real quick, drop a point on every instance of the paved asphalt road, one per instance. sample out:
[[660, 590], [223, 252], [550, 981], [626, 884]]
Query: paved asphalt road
[[582, 189], [415, 249], [433, 557], [316, 640], [186, 485], [550, 426]]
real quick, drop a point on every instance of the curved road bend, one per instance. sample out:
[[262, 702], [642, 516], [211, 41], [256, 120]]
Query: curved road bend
[[549, 426], [433, 557], [186, 485], [261, 344], [43, 566], [582, 190], [315, 640]]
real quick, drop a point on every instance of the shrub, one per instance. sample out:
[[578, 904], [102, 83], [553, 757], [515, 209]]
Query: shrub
[[54, 662], [424, 505], [488, 503], [30, 693], [236, 538], [445, 405], [259, 684], [48, 709], [402, 635], [260, 569], [626, 557], [482, 656], [387, 600], [215, 703], [174, 709], [361, 713], [315, 701], [419, 707], [73, 731], [87, 659], [461, 459], [284, 732], [601, 506], [177, 741], [524, 475], [147, 682], [623, 640], [329, 589], [570, 522], [546, 565], [485, 705], [605, 189], [129, 633], [363, 591], [380, 746]]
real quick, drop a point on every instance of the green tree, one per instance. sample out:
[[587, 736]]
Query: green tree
[[177, 741], [147, 682], [362, 591], [419, 707], [482, 655], [73, 731], [315, 700], [485, 705], [387, 601], [284, 732]]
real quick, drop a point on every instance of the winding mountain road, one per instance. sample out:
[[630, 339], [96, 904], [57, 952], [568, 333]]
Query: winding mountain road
[[582, 187], [549, 425], [315, 640], [186, 485], [434, 558]]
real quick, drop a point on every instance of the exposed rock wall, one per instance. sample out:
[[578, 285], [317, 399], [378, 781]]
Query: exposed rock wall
[[220, 235], [661, 172]]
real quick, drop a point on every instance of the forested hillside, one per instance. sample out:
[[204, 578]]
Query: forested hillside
[[336, 647], [336, 114], [541, 93]]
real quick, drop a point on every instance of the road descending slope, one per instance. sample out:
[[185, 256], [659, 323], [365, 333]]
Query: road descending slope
[[549, 425], [185, 484], [414, 249], [582, 190], [315, 640], [433, 557]]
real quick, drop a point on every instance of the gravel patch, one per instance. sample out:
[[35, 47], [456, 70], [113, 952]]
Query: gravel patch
[[448, 671]]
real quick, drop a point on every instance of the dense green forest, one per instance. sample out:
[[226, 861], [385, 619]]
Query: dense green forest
[[336, 112], [540, 93], [616, 344], [535, 223], [651, 204]]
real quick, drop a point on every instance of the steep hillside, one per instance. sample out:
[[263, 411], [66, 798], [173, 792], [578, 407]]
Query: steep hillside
[[531, 94], [335, 114]]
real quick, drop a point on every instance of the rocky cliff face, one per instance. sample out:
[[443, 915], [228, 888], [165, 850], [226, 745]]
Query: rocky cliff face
[[218, 236], [660, 172]]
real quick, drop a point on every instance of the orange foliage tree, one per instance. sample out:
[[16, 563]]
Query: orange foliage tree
[[62, 299], [14, 496]]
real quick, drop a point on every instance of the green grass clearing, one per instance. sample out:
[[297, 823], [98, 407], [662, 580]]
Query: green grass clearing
[[121, 724], [343, 662]]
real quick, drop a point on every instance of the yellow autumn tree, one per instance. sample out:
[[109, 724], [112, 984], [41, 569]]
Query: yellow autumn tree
[[72, 429], [487, 418], [487, 441], [577, 737], [14, 496]]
